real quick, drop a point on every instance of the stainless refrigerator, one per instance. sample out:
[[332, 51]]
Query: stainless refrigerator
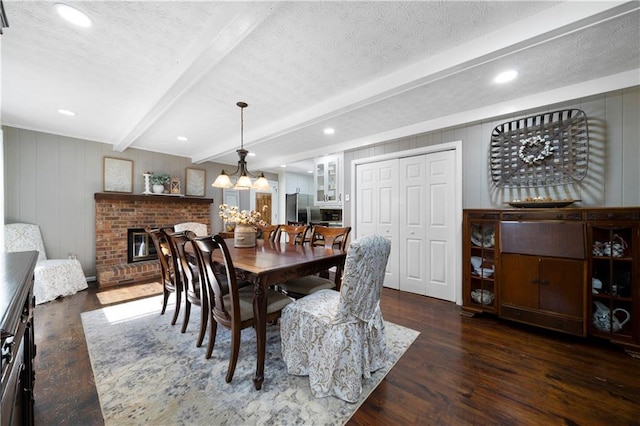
[[300, 208]]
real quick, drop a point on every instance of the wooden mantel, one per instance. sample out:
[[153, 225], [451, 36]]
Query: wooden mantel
[[117, 212], [142, 197]]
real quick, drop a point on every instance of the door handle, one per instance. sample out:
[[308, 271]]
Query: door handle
[[535, 281]]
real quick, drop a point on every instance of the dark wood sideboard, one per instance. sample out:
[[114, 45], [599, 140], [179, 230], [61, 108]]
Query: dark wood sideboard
[[17, 337], [556, 268]]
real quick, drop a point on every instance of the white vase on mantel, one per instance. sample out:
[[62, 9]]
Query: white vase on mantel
[[158, 189], [244, 236]]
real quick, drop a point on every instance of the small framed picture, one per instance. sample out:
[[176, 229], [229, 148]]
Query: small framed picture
[[117, 175], [195, 182]]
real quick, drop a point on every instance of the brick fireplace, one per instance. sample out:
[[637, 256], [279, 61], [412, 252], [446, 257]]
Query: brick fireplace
[[116, 213]]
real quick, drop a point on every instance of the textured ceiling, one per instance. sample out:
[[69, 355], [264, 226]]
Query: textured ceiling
[[147, 72]]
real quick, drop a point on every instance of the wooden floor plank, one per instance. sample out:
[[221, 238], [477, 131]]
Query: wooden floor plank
[[459, 371]]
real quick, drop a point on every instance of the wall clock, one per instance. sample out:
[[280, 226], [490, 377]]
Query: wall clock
[[541, 150]]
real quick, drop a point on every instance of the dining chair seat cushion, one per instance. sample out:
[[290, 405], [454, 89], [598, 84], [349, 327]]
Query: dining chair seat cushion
[[275, 301], [307, 285]]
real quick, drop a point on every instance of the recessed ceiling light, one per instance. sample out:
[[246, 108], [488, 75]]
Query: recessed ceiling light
[[182, 138], [66, 112], [251, 154], [309, 171], [506, 76], [73, 15], [284, 166], [329, 131]]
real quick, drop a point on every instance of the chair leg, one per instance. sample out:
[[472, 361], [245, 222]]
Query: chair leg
[[178, 304], [165, 300], [187, 315], [203, 322], [235, 349], [212, 336]]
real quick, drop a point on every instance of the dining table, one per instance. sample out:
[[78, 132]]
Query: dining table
[[269, 263]]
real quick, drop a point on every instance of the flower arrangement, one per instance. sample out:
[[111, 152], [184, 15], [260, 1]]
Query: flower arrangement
[[243, 217]]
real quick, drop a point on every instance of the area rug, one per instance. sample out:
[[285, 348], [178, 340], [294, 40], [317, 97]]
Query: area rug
[[147, 372]]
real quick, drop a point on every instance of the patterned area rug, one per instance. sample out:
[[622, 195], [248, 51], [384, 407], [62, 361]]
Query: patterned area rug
[[147, 372]]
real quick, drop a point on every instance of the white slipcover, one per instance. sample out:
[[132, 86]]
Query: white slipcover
[[200, 229], [52, 277], [338, 338]]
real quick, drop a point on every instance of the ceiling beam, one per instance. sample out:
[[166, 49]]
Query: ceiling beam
[[227, 29]]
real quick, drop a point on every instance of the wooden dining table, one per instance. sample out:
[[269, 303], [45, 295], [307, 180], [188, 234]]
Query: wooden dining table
[[269, 263]]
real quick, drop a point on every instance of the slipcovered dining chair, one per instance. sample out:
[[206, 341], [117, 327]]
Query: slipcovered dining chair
[[338, 338], [230, 305], [168, 277], [200, 229], [53, 278], [330, 238], [188, 278]]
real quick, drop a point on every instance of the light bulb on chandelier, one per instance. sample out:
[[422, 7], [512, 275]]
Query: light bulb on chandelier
[[243, 174]]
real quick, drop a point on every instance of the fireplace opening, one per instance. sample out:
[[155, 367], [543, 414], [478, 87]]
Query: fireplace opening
[[140, 246]]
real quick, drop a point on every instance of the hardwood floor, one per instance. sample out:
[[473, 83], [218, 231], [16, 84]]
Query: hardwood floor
[[458, 371]]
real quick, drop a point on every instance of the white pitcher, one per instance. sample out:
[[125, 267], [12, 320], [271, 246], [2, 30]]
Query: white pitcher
[[603, 320]]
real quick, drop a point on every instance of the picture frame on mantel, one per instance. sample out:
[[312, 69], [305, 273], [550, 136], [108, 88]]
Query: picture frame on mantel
[[117, 175], [195, 182]]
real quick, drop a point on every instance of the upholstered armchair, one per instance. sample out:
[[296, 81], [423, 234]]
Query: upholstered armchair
[[52, 277], [200, 229], [338, 338]]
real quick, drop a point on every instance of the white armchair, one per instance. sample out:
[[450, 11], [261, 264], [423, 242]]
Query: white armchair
[[200, 229], [52, 277], [338, 338]]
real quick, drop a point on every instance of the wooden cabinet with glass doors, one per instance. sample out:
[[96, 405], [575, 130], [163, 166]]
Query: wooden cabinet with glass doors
[[480, 261], [614, 276], [574, 270], [328, 181]]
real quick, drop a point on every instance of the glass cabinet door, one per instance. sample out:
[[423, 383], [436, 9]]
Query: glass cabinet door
[[611, 285], [331, 193], [481, 271], [320, 183]]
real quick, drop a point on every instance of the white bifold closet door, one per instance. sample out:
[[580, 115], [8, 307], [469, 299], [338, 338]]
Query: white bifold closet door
[[377, 208], [427, 225], [411, 202]]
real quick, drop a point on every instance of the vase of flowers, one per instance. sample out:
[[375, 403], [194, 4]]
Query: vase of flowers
[[246, 222]]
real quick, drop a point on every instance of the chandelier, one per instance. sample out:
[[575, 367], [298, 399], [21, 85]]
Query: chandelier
[[243, 174]]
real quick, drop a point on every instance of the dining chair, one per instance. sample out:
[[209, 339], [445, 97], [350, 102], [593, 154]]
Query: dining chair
[[167, 275], [231, 307], [291, 234], [189, 277], [327, 237], [269, 232], [330, 237], [338, 338], [52, 278]]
